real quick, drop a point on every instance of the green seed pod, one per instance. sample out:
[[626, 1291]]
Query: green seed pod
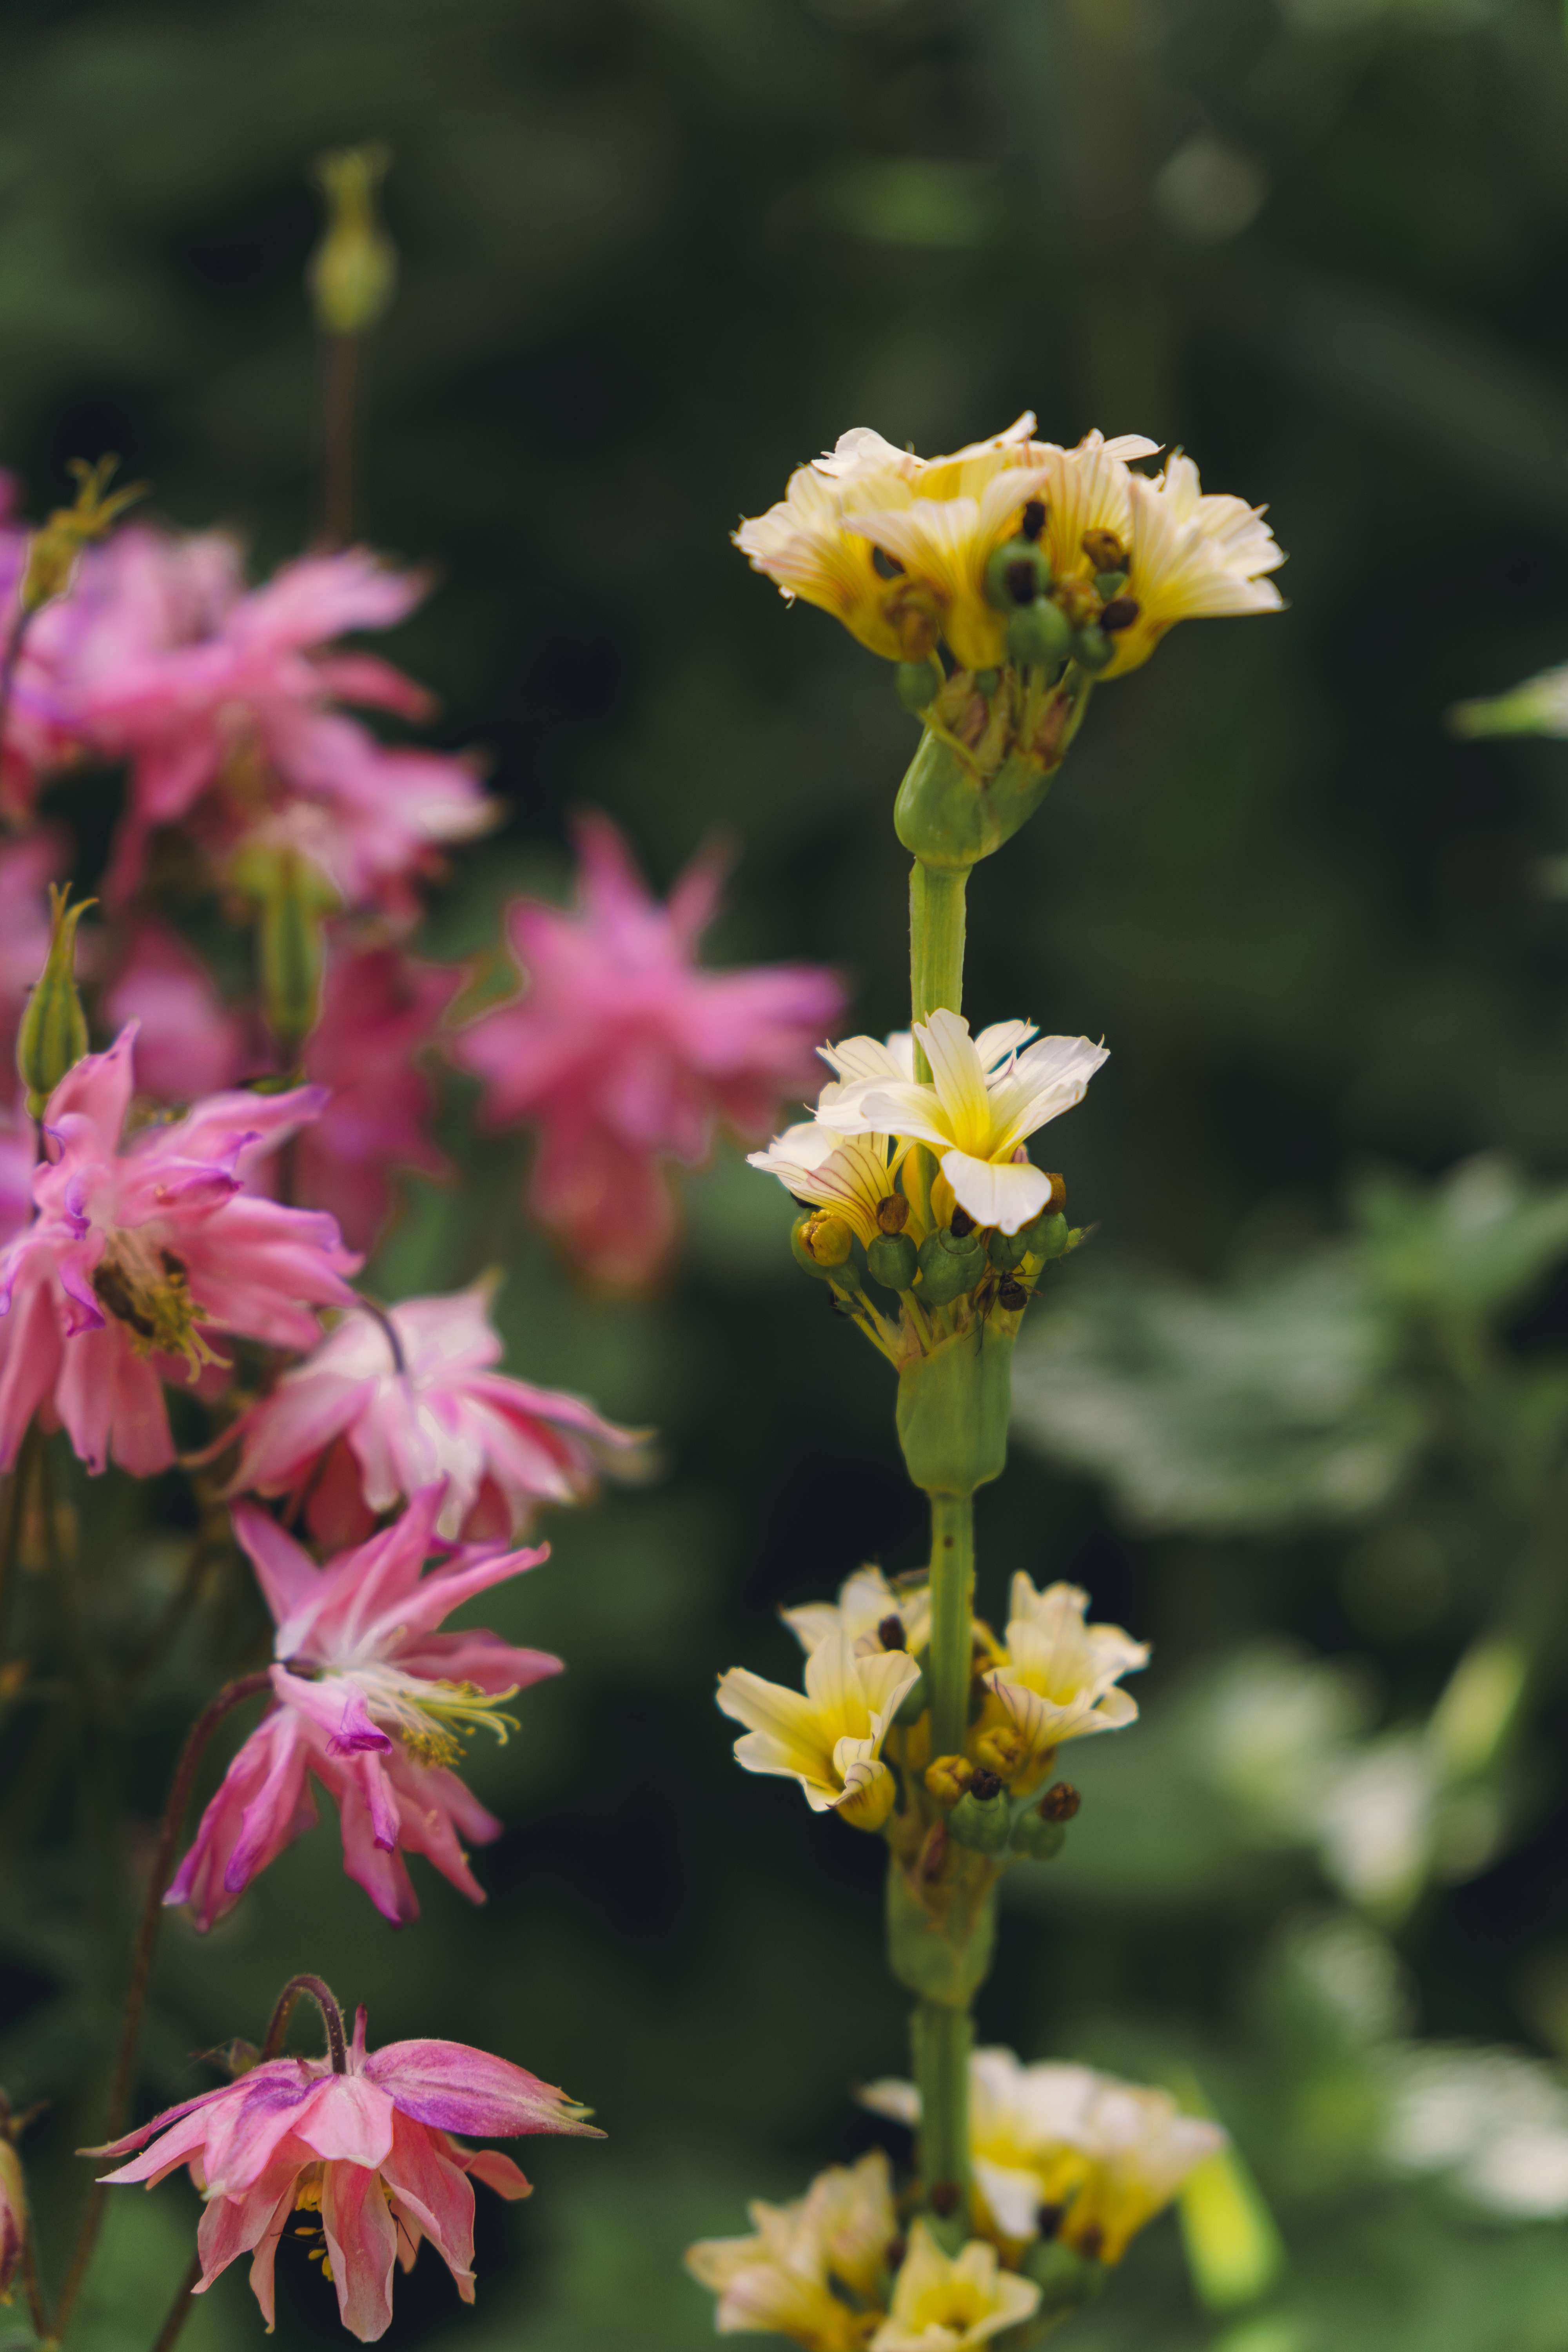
[[352, 273], [822, 1243], [948, 1267], [1038, 636], [986, 682], [53, 1035], [1109, 585], [891, 1261], [1092, 650], [980, 1823], [916, 1700], [292, 953], [1038, 1841], [917, 685], [1016, 574], [1048, 1235]]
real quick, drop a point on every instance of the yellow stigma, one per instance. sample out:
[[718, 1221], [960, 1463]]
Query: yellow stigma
[[150, 1293]]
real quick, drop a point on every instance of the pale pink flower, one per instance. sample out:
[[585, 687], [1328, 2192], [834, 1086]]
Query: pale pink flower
[[627, 1055], [136, 1254], [384, 1405], [369, 1696], [169, 663], [25, 867], [369, 2150], [188, 1042], [379, 1008]]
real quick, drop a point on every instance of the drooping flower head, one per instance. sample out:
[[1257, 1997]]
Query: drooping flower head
[[367, 2156], [369, 1700], [812, 2269], [987, 1096], [1058, 1680], [626, 1055], [903, 549], [830, 1739], [140, 1252], [387, 1404]]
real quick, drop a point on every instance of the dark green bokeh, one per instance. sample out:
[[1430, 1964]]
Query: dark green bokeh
[[654, 253]]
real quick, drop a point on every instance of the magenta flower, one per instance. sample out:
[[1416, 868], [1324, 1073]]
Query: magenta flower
[[369, 1700], [188, 1043], [379, 1009], [136, 1256], [223, 702], [383, 1407], [366, 2155], [626, 1055]]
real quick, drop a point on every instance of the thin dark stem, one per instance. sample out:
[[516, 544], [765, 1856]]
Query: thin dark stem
[[339, 401], [322, 1993], [180, 2309], [8, 2130], [380, 1314], [233, 1695]]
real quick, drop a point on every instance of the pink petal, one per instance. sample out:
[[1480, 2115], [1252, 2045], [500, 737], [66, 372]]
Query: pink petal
[[461, 2089]]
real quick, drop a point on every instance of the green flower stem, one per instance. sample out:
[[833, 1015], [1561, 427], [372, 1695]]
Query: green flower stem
[[936, 939], [941, 2039], [951, 1604]]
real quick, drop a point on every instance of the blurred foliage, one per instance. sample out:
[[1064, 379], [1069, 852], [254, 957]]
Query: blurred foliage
[[653, 253]]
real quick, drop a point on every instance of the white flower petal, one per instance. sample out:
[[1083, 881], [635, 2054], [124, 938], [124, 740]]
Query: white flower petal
[[1007, 1195]]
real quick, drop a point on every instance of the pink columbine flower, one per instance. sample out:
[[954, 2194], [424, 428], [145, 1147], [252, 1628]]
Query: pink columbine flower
[[139, 1253], [368, 2151], [386, 1404], [627, 1055], [169, 663], [369, 1697], [188, 1042]]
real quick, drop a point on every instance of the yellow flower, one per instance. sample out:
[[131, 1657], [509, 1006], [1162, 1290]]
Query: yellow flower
[[1025, 2126], [850, 1175], [866, 1601], [1058, 1679], [830, 1740], [1139, 2149], [987, 1094], [782, 2280], [944, 2302]]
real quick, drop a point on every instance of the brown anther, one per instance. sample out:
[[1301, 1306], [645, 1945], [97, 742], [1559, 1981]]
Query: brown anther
[[943, 2200], [892, 1213], [985, 1786], [115, 1294], [1104, 551], [1048, 2220], [1034, 521], [962, 1226], [1011, 1295], [890, 1632], [174, 1267], [1002, 1750], [1020, 580], [1119, 614], [1090, 2243], [886, 566], [1060, 1803]]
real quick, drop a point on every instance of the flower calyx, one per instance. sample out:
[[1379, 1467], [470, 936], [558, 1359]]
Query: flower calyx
[[52, 1037]]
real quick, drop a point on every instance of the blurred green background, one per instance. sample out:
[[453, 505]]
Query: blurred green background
[[1297, 1417]]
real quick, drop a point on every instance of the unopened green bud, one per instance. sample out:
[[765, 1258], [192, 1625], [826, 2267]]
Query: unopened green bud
[[1048, 1236], [917, 685], [1016, 574], [1067, 2279], [1092, 650], [1107, 585], [53, 550], [53, 1034], [1037, 1840], [948, 1267], [292, 899], [986, 682], [892, 1260], [915, 1701], [352, 273], [1039, 637], [979, 1820]]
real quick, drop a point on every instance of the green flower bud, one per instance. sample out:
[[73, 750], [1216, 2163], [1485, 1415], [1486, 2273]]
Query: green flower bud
[[1109, 585], [293, 899], [53, 1035], [1039, 637], [1048, 1235], [917, 685], [986, 682], [1016, 574], [950, 1266], [822, 1242], [892, 1260], [1092, 650], [352, 273], [1038, 1841], [53, 550], [1067, 2279], [980, 1822]]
